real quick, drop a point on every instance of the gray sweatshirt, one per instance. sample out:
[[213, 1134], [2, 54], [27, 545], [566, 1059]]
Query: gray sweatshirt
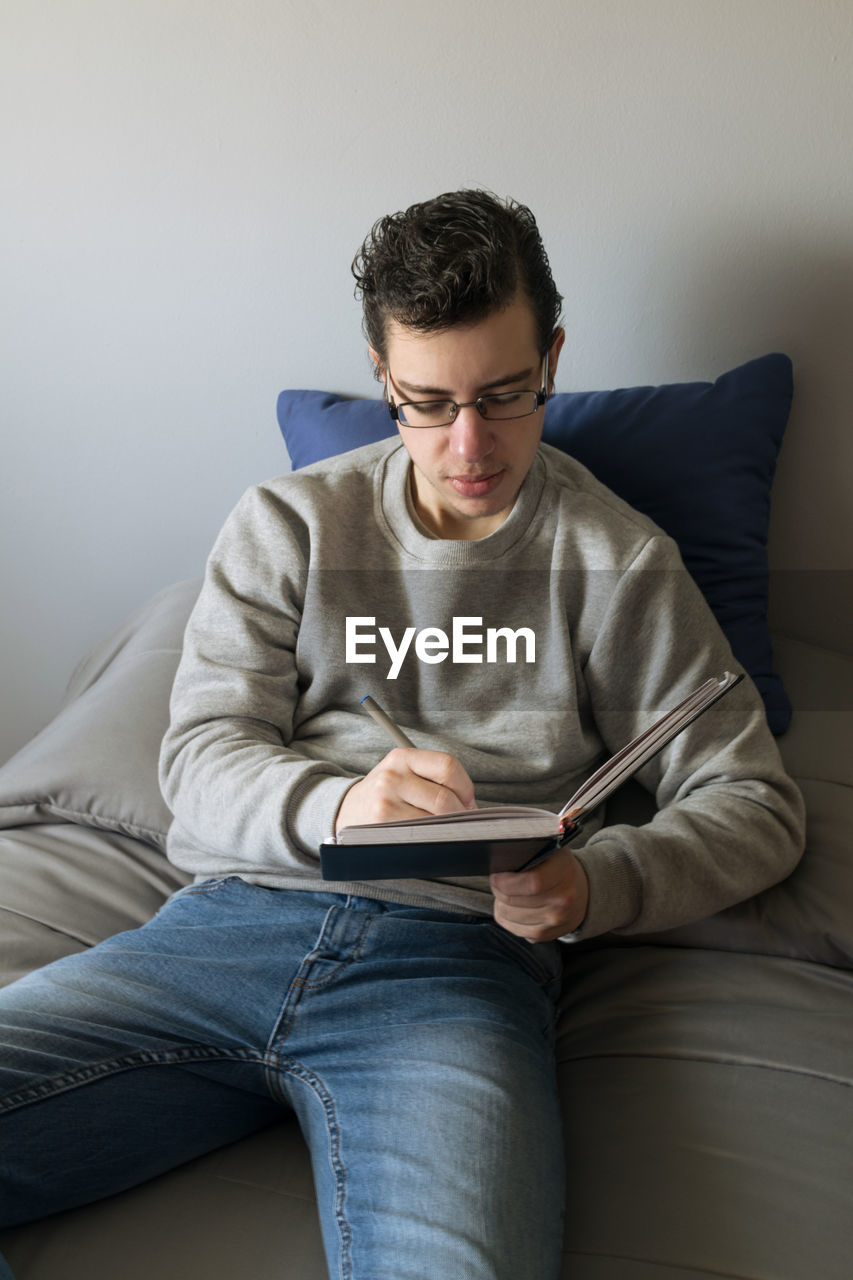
[[531, 654]]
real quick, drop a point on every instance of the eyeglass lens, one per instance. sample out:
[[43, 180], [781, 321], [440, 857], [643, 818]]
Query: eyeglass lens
[[436, 413]]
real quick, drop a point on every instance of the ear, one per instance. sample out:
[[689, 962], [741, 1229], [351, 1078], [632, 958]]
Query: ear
[[554, 356], [379, 374]]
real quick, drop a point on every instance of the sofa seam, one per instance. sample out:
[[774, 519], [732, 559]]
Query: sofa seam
[[657, 1262], [715, 1060], [83, 819], [46, 924]]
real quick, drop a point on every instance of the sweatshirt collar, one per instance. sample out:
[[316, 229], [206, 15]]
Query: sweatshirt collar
[[396, 513]]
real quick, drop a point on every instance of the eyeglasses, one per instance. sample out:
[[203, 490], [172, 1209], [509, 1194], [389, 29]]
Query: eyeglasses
[[501, 406]]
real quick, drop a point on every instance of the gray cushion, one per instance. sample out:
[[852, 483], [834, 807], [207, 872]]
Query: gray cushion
[[96, 762], [64, 887], [708, 1104], [810, 915]]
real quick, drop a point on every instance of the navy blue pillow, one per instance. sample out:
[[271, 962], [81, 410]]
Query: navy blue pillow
[[698, 457]]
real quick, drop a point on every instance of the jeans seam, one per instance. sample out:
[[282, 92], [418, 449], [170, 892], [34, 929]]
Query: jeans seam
[[307, 984], [115, 1066], [302, 981], [285, 1065]]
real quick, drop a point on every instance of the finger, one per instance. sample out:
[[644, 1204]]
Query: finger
[[428, 795], [432, 781], [534, 927], [507, 913], [551, 920], [547, 914], [445, 772], [536, 884], [407, 783]]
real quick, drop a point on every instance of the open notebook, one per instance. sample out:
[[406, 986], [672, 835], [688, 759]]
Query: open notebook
[[502, 837]]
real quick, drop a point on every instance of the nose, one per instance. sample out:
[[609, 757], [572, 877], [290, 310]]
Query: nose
[[471, 436]]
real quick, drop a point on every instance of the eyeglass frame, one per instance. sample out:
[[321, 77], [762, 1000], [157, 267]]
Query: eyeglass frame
[[542, 396]]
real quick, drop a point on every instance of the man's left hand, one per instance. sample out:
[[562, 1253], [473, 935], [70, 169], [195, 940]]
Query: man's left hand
[[544, 903]]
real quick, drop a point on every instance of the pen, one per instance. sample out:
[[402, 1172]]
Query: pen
[[396, 735]]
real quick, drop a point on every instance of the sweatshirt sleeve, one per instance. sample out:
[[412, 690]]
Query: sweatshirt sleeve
[[238, 787], [730, 821]]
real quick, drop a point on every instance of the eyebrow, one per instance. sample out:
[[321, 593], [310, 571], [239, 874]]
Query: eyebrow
[[415, 389]]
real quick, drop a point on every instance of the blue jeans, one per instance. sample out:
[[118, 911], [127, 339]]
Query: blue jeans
[[415, 1046]]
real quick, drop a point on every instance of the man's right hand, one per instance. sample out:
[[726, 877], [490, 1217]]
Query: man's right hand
[[407, 783]]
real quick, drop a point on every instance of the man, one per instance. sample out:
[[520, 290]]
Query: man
[[409, 1023]]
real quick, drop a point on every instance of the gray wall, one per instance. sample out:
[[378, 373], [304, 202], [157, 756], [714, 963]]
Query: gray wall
[[185, 183]]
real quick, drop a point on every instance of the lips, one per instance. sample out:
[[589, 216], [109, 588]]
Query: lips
[[476, 486]]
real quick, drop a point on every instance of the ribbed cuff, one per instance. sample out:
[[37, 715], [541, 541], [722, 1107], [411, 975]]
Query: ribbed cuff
[[615, 888], [310, 818]]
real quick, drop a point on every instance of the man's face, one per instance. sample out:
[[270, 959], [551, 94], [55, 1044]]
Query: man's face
[[466, 475]]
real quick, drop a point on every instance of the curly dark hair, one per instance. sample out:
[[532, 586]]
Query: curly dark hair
[[452, 260]]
